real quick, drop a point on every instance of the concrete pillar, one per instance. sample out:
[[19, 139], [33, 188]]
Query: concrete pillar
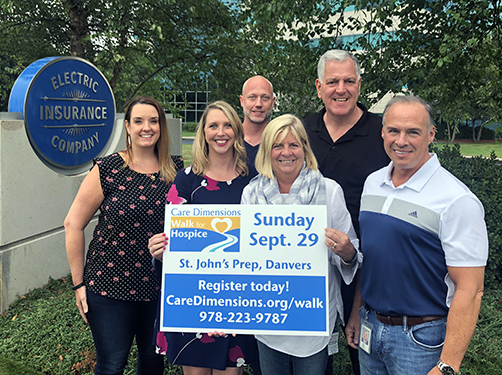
[[34, 201]]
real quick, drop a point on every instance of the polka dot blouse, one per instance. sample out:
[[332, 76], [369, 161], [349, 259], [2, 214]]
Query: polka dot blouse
[[118, 263]]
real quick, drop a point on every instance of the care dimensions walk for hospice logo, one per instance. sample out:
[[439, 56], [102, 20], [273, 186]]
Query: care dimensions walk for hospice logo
[[200, 230], [68, 110]]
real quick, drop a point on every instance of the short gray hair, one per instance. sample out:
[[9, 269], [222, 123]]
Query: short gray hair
[[410, 99], [336, 55]]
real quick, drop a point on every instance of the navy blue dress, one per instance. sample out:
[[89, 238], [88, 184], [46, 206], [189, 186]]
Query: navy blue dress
[[198, 349]]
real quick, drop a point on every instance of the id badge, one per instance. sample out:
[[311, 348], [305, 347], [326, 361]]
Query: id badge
[[365, 336], [333, 343]]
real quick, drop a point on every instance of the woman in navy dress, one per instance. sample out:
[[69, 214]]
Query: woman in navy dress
[[218, 174]]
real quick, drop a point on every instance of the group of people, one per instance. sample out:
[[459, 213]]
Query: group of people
[[409, 308]]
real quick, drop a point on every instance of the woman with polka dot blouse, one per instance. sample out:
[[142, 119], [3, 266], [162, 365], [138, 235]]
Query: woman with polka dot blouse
[[116, 288]]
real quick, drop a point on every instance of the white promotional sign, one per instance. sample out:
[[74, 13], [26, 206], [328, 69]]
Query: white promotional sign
[[245, 269]]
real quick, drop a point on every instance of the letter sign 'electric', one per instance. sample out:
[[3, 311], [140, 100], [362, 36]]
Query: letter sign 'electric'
[[68, 110]]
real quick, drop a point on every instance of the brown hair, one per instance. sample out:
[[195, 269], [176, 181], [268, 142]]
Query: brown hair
[[162, 148]]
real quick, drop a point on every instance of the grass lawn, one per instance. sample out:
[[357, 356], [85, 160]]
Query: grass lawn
[[186, 151], [10, 367], [477, 149], [184, 133]]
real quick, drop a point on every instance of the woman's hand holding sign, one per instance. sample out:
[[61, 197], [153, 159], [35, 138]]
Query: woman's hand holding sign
[[339, 243], [157, 245]]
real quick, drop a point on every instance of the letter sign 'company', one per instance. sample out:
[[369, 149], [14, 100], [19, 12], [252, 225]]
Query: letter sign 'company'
[[68, 110]]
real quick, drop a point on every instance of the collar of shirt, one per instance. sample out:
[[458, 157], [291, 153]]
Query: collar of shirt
[[419, 179], [320, 126]]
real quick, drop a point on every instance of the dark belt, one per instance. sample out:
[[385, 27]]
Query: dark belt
[[410, 320]]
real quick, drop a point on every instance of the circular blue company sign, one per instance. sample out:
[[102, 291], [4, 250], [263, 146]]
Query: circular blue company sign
[[68, 110]]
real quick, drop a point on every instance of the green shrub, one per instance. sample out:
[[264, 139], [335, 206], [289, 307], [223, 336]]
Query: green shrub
[[44, 329], [483, 355], [189, 126], [484, 177]]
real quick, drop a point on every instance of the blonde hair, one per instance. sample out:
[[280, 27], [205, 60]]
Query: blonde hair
[[200, 148], [162, 147], [274, 133]]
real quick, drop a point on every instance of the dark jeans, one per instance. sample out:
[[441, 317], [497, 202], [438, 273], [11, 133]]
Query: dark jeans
[[114, 324]]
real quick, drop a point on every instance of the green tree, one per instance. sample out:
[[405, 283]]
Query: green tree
[[444, 51], [293, 36], [447, 52], [141, 46]]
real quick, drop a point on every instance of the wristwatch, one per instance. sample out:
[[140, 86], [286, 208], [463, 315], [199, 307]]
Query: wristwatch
[[446, 369]]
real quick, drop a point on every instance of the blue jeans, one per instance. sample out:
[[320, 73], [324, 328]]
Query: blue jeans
[[273, 362], [114, 324], [397, 350]]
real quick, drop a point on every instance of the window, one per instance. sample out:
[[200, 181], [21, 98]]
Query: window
[[193, 106]]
